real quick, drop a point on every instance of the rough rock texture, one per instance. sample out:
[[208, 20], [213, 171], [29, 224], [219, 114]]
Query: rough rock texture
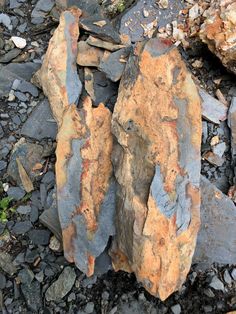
[[217, 237], [219, 31], [85, 188], [89, 56], [157, 123], [62, 86], [232, 125]]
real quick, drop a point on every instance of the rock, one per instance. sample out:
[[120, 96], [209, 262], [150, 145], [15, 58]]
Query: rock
[[218, 31], [14, 4], [40, 10], [39, 237], [3, 165], [99, 88], [14, 71], [216, 241], [19, 42], [24, 210], [219, 149], [100, 27], [6, 264], [232, 125], [217, 284], [158, 184], [55, 244], [88, 7], [25, 179], [96, 42], [26, 276], [113, 64], [214, 159], [22, 227], [176, 309], [92, 223], [29, 155], [40, 123], [134, 24], [40, 276], [32, 295], [8, 56], [27, 87], [31, 256], [233, 274], [16, 193], [88, 55], [6, 21], [227, 277], [2, 281], [212, 109], [62, 50], [62, 286], [89, 308]]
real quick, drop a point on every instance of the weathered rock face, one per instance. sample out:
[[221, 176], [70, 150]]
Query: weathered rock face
[[217, 237], [157, 124], [219, 31], [85, 187]]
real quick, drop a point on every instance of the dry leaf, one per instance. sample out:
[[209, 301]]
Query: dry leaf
[[25, 179]]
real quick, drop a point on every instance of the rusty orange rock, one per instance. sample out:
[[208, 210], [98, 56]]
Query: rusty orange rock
[[219, 31], [157, 125], [85, 188], [89, 56]]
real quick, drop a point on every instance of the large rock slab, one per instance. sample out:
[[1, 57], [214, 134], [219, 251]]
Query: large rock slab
[[216, 241], [219, 29], [85, 187], [157, 125]]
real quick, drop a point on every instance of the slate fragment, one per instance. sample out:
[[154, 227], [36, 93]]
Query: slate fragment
[[32, 294], [113, 64], [96, 42], [89, 56], [232, 125], [100, 27], [40, 124], [212, 109], [158, 197], [8, 56], [88, 7], [216, 241]]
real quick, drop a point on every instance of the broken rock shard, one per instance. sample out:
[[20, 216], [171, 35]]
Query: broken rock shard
[[85, 188], [157, 126], [58, 74]]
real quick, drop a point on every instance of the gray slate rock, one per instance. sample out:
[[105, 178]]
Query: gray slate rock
[[212, 109], [112, 66], [3, 281], [16, 193], [232, 125], [216, 241], [39, 237], [233, 274], [105, 32], [32, 295], [22, 227], [40, 123], [26, 276], [27, 87], [23, 210], [176, 309], [14, 71], [40, 10], [6, 263], [89, 7], [217, 284], [6, 21], [14, 4], [89, 308], [62, 286], [3, 165], [8, 56]]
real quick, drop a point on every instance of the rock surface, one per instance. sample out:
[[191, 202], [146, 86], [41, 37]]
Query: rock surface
[[232, 125], [158, 194], [89, 56], [217, 238], [218, 31]]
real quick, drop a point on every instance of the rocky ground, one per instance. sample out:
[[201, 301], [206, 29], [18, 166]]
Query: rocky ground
[[34, 275]]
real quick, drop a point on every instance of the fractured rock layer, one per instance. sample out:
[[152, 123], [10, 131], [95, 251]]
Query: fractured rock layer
[[219, 31], [85, 188], [157, 125]]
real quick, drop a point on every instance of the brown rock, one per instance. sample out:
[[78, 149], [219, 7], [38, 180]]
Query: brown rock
[[219, 31], [96, 42], [157, 125], [62, 90], [89, 56]]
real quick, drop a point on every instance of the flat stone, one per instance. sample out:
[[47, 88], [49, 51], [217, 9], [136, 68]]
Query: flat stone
[[27, 87], [41, 9], [3, 281], [233, 274], [22, 227], [88, 7], [32, 295], [40, 123], [217, 284], [227, 277], [14, 4], [89, 308], [6, 263], [134, 24], [26, 276], [219, 149], [158, 195], [96, 42], [29, 155], [8, 56], [39, 237], [24, 210], [62, 286], [214, 159], [232, 125], [3, 165], [14, 71], [16, 193], [6, 21], [88, 55], [212, 109], [176, 309], [113, 65], [216, 241], [100, 27]]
